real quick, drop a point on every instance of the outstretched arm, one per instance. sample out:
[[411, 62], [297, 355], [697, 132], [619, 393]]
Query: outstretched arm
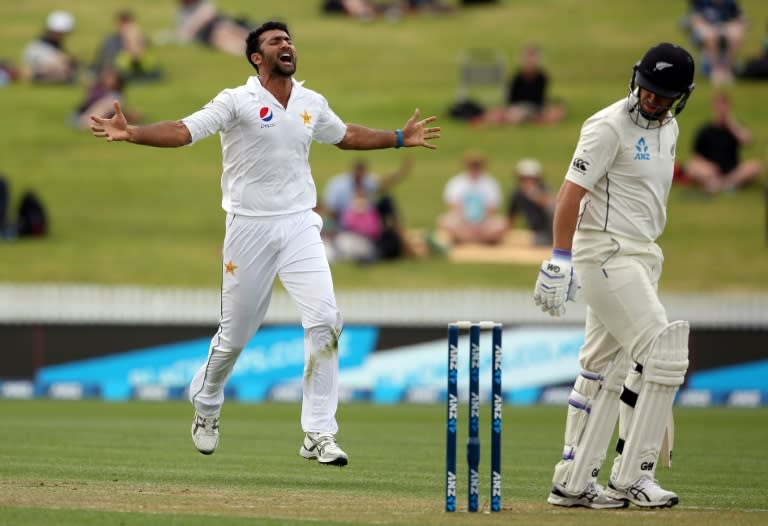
[[398, 175], [414, 133], [167, 134]]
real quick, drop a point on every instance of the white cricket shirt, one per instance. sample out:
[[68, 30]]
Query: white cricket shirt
[[627, 170], [265, 147]]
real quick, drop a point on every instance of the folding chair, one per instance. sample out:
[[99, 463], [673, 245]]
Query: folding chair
[[482, 76]]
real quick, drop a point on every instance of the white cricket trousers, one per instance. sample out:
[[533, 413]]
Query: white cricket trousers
[[256, 251], [619, 278]]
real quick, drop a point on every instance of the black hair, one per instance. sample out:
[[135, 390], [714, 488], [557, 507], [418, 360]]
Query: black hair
[[252, 44]]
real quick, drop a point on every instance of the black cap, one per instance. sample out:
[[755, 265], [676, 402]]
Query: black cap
[[666, 70]]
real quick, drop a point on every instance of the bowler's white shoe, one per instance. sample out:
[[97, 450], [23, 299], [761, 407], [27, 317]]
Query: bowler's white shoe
[[594, 497], [205, 433], [323, 447], [644, 492]]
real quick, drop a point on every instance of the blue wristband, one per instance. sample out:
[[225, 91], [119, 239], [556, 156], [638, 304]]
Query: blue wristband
[[560, 253], [399, 134]]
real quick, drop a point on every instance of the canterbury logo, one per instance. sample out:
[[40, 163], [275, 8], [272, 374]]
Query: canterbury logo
[[661, 66], [580, 165]]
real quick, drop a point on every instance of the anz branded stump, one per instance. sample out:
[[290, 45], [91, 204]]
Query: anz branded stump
[[473, 440]]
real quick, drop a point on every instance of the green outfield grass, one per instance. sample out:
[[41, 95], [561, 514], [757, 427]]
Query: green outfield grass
[[126, 214], [82, 463]]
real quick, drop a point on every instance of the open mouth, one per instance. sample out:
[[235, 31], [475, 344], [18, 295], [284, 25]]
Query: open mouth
[[286, 58]]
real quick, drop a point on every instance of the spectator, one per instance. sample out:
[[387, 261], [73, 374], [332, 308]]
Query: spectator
[[718, 26], [127, 51], [106, 88], [45, 59], [358, 232], [527, 94], [532, 199], [341, 189], [473, 198], [756, 67], [715, 163], [367, 10], [353, 198], [201, 21], [360, 9]]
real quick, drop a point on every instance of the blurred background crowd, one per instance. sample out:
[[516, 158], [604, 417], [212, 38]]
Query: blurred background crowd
[[485, 201]]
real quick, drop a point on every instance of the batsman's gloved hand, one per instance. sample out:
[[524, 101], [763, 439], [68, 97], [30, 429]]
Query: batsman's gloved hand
[[556, 284]]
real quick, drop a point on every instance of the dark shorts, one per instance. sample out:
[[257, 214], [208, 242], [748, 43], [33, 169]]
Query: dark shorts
[[204, 33]]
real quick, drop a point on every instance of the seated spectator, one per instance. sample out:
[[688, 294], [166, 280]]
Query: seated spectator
[[127, 51], [756, 67], [106, 88], [357, 236], [200, 21], [473, 198], [718, 26], [367, 10], [360, 9], [343, 200], [533, 200], [45, 60], [715, 163], [527, 95]]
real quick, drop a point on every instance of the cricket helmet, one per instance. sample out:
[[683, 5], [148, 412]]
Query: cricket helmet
[[666, 70]]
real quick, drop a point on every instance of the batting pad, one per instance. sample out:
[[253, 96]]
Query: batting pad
[[662, 374], [597, 432]]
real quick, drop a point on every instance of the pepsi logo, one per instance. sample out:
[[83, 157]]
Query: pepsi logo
[[265, 114]]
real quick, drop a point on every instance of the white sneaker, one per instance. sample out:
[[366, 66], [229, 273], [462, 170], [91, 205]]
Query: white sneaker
[[644, 492], [323, 447], [205, 433], [594, 497]]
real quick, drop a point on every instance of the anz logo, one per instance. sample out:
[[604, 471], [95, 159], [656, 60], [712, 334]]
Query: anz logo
[[642, 150]]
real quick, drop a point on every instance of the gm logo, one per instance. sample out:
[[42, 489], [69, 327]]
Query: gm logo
[[647, 466], [580, 165], [642, 150]]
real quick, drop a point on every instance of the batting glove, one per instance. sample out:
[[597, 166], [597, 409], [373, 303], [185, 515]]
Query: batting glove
[[556, 284]]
